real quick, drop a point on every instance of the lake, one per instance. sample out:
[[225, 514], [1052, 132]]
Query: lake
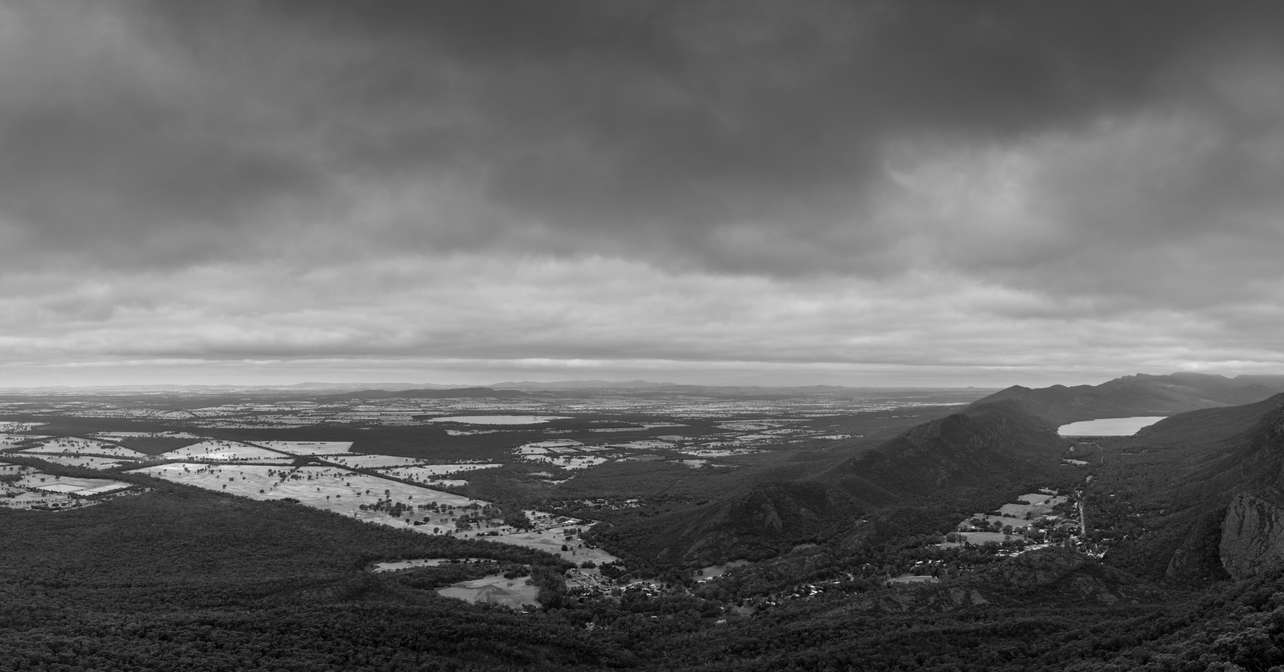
[[1109, 426], [499, 419]]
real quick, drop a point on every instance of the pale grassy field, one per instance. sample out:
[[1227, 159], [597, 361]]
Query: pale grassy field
[[426, 473], [549, 533], [1042, 498], [10, 440], [982, 538], [1006, 520], [400, 565], [494, 589], [69, 445], [373, 497], [215, 450], [568, 462], [356, 461], [536, 447], [13, 497], [117, 436], [446, 483], [716, 571], [718, 452], [649, 444], [333, 489], [9, 427], [70, 485], [499, 419], [308, 447], [84, 461], [35, 489], [912, 579]]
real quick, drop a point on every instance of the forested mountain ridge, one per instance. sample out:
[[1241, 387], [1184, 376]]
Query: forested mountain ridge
[[987, 446], [979, 453], [1138, 395]]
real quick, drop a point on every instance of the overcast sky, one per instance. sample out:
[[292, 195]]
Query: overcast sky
[[863, 193]]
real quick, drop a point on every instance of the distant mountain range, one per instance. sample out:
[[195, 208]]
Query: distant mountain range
[[643, 387], [432, 393], [1139, 395]]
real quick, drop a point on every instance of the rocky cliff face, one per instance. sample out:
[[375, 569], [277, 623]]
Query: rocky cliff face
[[1252, 536]]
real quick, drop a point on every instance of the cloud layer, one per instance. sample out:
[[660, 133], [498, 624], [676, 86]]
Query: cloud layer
[[861, 192]]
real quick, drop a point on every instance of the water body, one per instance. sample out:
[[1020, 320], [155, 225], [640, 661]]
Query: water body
[[499, 419], [1109, 426]]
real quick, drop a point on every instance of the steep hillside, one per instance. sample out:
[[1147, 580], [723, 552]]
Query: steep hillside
[[1222, 461], [1207, 427], [1138, 395], [979, 454], [1220, 488], [987, 447]]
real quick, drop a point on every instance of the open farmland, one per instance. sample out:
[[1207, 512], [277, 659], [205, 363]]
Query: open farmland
[[122, 436], [7, 426], [499, 419], [308, 447], [24, 487], [224, 451], [335, 489], [384, 501], [494, 589], [416, 563], [14, 497], [519, 470], [70, 445], [69, 485], [93, 462], [424, 473], [558, 535], [10, 440], [372, 461], [569, 462]]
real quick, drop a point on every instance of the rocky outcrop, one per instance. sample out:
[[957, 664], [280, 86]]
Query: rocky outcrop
[[1252, 536]]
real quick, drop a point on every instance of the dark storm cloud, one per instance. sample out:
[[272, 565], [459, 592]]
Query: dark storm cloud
[[1002, 165], [741, 135], [744, 135]]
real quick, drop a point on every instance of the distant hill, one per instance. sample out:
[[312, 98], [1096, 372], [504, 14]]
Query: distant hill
[[1273, 382], [980, 453], [1140, 394], [579, 385], [644, 388], [432, 393]]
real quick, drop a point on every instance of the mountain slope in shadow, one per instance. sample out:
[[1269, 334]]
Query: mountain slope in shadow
[[983, 452], [1219, 483]]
